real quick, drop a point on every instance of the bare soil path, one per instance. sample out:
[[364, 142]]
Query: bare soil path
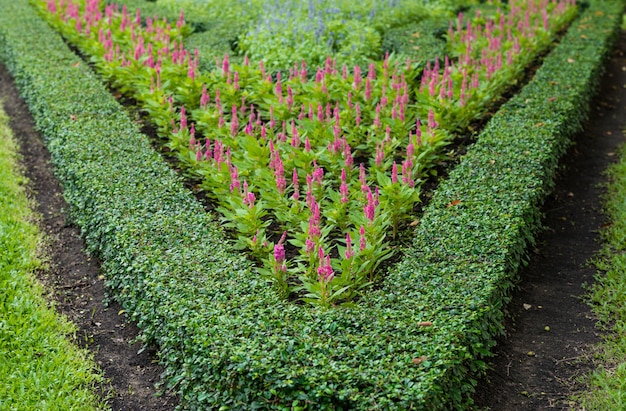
[[535, 367]]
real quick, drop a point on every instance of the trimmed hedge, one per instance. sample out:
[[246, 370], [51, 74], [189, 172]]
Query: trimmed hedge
[[224, 338], [421, 41]]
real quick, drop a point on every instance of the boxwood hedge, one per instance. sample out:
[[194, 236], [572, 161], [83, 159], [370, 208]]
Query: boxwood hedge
[[225, 340]]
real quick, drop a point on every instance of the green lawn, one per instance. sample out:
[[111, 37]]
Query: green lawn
[[40, 369]]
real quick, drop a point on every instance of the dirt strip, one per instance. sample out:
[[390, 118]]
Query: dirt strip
[[552, 331], [75, 281]]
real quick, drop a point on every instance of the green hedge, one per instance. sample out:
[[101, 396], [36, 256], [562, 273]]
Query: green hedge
[[224, 338], [421, 41]]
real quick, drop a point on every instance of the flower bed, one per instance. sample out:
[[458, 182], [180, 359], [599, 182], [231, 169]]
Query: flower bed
[[246, 161], [224, 337]]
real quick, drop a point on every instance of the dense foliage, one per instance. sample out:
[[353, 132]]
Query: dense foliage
[[225, 339]]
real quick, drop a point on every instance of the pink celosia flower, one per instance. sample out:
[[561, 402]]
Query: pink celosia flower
[[309, 246], [234, 122], [325, 271], [369, 208], [368, 89], [363, 178], [343, 188], [234, 179], [349, 253], [294, 180], [380, 154], [279, 249], [225, 66], [431, 119], [362, 240], [347, 152], [183, 118], [394, 173]]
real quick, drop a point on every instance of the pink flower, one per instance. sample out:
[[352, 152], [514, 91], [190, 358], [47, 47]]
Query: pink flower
[[357, 77], [318, 175], [380, 154], [362, 240], [363, 178], [250, 199], [369, 209], [348, 156], [343, 188], [281, 183], [410, 149], [431, 119], [234, 179], [309, 246], [183, 118], [394, 173], [349, 253], [236, 80], [279, 249], [234, 122], [225, 66], [294, 180], [325, 271]]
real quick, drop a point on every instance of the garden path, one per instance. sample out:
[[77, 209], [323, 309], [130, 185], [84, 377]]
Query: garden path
[[533, 368]]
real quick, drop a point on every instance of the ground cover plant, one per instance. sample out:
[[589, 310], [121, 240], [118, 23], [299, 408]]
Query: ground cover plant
[[260, 133], [40, 367], [225, 338]]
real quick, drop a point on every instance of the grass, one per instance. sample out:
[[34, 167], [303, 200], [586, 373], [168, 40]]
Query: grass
[[40, 369], [607, 384]]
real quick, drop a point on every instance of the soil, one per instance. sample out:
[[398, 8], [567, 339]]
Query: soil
[[534, 367]]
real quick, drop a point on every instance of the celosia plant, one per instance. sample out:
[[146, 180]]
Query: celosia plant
[[330, 160]]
